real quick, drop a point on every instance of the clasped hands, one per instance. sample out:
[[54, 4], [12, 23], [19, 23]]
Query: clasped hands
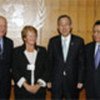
[[32, 88]]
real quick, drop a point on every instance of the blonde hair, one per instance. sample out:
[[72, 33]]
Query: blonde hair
[[26, 29]]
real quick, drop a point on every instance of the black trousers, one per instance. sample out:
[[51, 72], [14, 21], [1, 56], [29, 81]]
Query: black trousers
[[64, 91], [92, 93], [5, 89]]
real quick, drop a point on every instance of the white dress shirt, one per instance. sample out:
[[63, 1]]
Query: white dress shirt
[[65, 45]]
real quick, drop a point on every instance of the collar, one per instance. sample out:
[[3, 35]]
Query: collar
[[97, 44], [1, 40], [66, 38]]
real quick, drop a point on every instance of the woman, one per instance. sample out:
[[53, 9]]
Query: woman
[[29, 67]]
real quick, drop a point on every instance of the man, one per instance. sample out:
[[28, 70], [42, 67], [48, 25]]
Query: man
[[6, 46], [66, 59], [93, 65]]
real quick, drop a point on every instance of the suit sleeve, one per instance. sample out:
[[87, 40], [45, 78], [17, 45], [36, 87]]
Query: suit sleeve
[[44, 70], [50, 58], [81, 58], [16, 68], [45, 65], [11, 52]]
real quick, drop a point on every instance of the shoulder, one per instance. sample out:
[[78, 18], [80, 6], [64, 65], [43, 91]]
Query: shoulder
[[18, 49], [55, 38], [41, 51], [8, 40], [77, 38], [41, 48], [89, 45]]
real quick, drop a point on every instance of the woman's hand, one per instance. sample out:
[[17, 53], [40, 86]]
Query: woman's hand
[[32, 89], [36, 88]]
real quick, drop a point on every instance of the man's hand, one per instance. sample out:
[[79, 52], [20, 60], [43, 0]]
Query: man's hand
[[49, 85], [79, 85], [32, 89]]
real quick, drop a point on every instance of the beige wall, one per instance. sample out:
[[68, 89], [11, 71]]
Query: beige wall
[[83, 13]]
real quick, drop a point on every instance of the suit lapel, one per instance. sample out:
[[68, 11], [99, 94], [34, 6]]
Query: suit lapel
[[60, 49], [37, 57], [71, 45], [5, 47], [25, 58], [92, 51]]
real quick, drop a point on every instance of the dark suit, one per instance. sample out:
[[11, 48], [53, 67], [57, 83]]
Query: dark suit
[[65, 85], [5, 66], [20, 63], [92, 82]]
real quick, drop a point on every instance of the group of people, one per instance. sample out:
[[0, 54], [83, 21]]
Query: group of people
[[65, 67]]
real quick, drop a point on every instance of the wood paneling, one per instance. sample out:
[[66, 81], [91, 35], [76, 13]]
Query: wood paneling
[[83, 13]]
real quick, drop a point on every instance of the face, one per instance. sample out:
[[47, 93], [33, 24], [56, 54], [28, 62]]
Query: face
[[96, 33], [64, 26], [30, 38], [3, 27]]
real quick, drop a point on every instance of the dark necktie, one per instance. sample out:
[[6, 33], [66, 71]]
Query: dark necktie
[[97, 57]]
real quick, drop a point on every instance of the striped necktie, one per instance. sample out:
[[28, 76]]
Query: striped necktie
[[0, 49], [97, 57]]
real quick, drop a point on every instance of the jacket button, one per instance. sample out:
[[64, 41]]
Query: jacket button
[[64, 73]]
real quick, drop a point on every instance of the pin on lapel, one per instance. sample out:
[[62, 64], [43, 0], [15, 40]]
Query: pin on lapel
[[72, 43]]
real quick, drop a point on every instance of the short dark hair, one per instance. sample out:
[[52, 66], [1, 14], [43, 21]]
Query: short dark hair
[[64, 16], [96, 23]]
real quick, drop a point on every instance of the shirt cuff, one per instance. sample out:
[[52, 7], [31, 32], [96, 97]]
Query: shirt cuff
[[20, 82], [41, 82]]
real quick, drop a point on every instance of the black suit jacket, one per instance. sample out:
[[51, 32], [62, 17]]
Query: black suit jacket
[[74, 65], [20, 63], [92, 81], [5, 68], [6, 59]]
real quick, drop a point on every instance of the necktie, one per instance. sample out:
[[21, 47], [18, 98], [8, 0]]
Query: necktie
[[0, 52], [64, 49], [97, 57], [0, 48]]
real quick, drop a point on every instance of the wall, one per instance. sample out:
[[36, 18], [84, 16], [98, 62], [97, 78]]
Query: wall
[[83, 13]]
